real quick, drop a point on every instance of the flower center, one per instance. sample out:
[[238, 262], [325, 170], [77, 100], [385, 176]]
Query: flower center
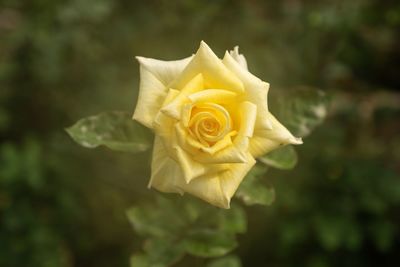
[[209, 123]]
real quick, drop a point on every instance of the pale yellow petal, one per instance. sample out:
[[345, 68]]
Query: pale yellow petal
[[221, 144], [166, 175], [219, 188], [237, 152], [173, 109], [248, 114], [194, 147], [216, 96], [151, 96], [208, 188], [264, 141], [186, 141], [163, 125], [155, 75], [231, 179], [164, 71], [238, 57], [192, 169], [215, 74], [256, 90]]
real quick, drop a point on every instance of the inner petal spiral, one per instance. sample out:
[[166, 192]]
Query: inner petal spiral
[[209, 123]]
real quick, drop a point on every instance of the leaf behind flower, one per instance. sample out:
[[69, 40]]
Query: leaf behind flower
[[188, 226], [115, 130], [284, 158], [299, 109], [253, 191]]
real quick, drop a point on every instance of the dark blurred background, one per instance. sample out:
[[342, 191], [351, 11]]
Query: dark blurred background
[[63, 205]]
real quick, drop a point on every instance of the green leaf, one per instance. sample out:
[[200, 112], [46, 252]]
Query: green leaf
[[115, 130], [228, 261], [151, 221], [233, 220], [174, 226], [300, 109], [252, 191], [284, 158], [209, 243], [164, 251]]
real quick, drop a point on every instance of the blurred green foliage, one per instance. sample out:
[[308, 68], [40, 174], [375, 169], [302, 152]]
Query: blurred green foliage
[[62, 205], [253, 191], [176, 226]]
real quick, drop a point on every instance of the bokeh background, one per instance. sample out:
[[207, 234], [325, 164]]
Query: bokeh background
[[63, 205]]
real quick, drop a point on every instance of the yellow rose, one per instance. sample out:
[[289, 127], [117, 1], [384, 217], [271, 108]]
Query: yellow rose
[[211, 120]]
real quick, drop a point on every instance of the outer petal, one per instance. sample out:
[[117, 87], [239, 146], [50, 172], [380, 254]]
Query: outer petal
[[207, 188], [239, 57], [219, 188], [231, 179], [155, 75], [215, 74], [192, 169], [256, 90], [166, 174], [264, 141], [163, 124], [164, 71]]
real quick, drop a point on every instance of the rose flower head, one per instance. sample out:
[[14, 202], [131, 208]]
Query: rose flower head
[[211, 121]]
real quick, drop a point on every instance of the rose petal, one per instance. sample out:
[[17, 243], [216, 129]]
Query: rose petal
[[151, 96], [248, 114], [221, 144], [219, 188], [164, 71], [155, 75], [237, 152], [192, 169], [208, 188], [215, 74], [173, 109], [166, 174], [186, 141], [239, 58], [163, 125], [231, 154], [264, 141], [256, 90], [216, 96], [231, 179]]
